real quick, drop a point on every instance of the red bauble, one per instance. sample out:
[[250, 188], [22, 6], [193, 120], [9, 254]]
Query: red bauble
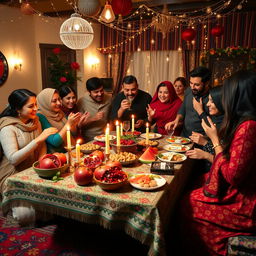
[[217, 30], [83, 175], [188, 34], [123, 7], [27, 9]]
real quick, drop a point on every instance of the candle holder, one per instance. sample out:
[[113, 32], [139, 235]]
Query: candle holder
[[69, 150], [118, 149], [107, 157]]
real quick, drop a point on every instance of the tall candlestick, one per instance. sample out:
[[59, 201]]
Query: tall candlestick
[[78, 152], [147, 133], [121, 129], [107, 149], [132, 123], [117, 134], [68, 138]]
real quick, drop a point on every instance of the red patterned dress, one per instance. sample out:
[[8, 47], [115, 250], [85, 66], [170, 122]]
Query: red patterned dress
[[225, 205]]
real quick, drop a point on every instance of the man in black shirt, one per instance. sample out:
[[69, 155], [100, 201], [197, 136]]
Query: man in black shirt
[[131, 101]]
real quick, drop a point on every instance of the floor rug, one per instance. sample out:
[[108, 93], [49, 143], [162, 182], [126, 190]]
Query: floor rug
[[65, 237]]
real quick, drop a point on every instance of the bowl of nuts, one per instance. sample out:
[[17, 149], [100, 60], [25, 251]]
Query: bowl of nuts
[[142, 144], [88, 148], [125, 158]]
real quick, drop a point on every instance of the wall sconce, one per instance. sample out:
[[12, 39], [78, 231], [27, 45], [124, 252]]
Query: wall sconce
[[17, 64], [107, 14], [93, 62]]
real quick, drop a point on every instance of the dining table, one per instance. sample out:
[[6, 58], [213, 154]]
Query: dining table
[[143, 214]]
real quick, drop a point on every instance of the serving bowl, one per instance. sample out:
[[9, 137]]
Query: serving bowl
[[49, 173], [142, 144], [111, 186], [125, 148]]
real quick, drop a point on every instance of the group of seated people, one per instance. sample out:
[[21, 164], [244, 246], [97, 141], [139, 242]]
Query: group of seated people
[[221, 122]]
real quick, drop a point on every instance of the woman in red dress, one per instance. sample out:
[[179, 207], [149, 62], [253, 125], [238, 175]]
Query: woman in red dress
[[164, 106], [225, 205]]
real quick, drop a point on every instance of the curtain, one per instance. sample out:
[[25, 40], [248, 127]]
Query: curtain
[[191, 60], [152, 68]]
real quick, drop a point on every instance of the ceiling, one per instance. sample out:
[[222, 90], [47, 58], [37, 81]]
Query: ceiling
[[63, 8]]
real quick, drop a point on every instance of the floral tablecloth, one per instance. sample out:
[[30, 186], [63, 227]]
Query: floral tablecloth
[[142, 214]]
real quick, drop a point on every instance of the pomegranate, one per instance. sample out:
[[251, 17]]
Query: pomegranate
[[49, 161], [83, 175], [100, 171], [62, 157], [114, 164], [92, 161], [98, 153]]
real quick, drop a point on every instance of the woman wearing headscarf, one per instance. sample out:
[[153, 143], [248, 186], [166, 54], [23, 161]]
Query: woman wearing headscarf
[[23, 142], [164, 106], [51, 115]]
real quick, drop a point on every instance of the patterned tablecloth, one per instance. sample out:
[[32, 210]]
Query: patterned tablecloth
[[142, 214]]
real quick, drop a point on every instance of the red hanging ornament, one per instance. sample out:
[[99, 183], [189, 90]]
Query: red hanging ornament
[[123, 7], [188, 34], [217, 31], [27, 9]]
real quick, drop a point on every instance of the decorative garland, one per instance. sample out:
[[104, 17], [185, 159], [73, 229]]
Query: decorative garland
[[233, 52]]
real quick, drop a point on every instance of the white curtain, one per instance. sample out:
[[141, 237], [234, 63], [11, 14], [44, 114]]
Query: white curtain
[[153, 67]]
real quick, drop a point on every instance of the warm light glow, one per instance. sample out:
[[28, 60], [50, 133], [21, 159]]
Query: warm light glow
[[117, 123], [147, 125], [79, 141], [107, 14], [17, 63], [93, 61], [76, 27]]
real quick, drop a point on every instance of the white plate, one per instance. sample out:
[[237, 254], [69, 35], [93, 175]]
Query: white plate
[[178, 140], [102, 137], [178, 148], [152, 136], [159, 180], [168, 156]]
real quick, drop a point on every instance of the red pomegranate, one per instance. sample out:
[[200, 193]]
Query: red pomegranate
[[92, 161], [98, 153], [100, 171], [49, 161], [114, 164], [83, 175], [62, 157]]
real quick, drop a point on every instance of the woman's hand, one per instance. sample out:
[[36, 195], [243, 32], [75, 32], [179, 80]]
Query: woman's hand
[[211, 131], [198, 138], [198, 106], [45, 134], [83, 119], [151, 112], [73, 119], [198, 153]]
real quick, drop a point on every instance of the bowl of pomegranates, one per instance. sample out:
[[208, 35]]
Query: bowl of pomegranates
[[126, 145], [110, 177], [50, 164]]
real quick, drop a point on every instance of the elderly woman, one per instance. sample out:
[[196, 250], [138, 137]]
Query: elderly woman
[[51, 115], [164, 106], [180, 85]]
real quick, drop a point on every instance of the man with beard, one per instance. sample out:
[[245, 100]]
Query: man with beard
[[97, 103], [199, 90], [131, 101]]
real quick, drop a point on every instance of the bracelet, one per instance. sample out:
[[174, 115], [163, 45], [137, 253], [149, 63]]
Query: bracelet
[[217, 145]]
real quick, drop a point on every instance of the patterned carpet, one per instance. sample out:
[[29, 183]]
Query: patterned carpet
[[64, 237]]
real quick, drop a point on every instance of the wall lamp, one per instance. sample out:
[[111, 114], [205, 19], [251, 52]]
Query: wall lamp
[[93, 62], [17, 64]]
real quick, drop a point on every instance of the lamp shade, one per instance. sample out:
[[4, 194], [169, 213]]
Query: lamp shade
[[89, 7], [76, 33], [107, 14], [217, 31]]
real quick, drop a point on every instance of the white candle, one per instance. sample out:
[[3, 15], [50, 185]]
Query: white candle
[[117, 134], [68, 138], [78, 152], [107, 148], [121, 129], [147, 133], [132, 123]]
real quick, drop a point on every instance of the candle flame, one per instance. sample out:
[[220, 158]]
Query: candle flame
[[132, 116], [147, 124], [117, 123], [78, 141], [68, 128]]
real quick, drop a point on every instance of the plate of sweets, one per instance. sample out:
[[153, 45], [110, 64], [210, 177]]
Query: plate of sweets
[[179, 148], [152, 136], [178, 140], [133, 134], [171, 157], [147, 181], [103, 137]]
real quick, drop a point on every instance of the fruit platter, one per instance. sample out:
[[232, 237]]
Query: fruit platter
[[126, 145], [179, 148], [178, 140], [147, 181], [171, 157]]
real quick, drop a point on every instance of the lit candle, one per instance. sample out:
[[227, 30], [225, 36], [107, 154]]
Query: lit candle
[[78, 151], [121, 129], [147, 133], [117, 134], [132, 123], [107, 141], [68, 138]]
